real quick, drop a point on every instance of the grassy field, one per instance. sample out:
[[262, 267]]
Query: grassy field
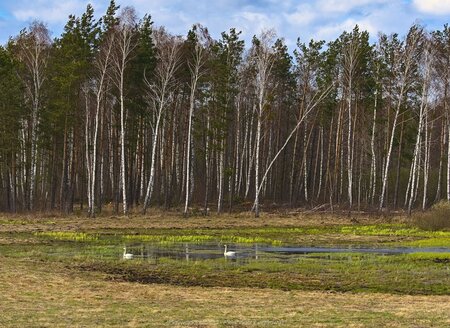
[[49, 276]]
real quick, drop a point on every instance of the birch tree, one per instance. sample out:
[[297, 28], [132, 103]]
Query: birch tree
[[158, 90], [403, 61], [125, 42], [316, 100], [263, 55], [441, 42], [98, 86], [101, 112], [351, 52], [422, 131], [201, 42], [33, 48]]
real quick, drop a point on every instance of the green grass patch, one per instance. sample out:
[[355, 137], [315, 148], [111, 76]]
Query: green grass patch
[[172, 239], [391, 234], [382, 230], [67, 236], [399, 274], [429, 242], [168, 239], [429, 256], [249, 240]]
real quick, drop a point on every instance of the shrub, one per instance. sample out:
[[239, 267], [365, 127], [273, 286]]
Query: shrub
[[436, 218]]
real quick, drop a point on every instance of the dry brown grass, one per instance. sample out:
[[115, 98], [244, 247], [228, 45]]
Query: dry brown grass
[[33, 294], [161, 219], [436, 218]]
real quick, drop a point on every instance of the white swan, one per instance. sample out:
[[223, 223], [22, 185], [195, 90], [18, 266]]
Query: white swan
[[229, 253], [127, 256]]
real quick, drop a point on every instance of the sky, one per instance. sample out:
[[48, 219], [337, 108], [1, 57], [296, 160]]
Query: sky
[[321, 19]]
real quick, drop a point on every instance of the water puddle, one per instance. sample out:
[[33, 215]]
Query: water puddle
[[115, 247], [210, 251]]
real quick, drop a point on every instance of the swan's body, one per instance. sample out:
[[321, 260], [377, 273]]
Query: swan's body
[[127, 256], [229, 253]]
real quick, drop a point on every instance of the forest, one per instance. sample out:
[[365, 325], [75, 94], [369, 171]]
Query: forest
[[118, 114]]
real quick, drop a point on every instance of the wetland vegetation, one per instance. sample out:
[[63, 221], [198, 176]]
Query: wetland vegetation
[[187, 255]]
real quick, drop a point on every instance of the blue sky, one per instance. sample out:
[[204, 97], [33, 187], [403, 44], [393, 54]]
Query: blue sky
[[321, 19]]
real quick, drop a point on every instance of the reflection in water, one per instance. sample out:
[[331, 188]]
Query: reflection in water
[[246, 252]]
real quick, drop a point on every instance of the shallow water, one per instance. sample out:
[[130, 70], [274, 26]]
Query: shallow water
[[208, 251], [111, 247]]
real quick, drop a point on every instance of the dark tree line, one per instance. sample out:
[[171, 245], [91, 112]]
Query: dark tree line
[[118, 113]]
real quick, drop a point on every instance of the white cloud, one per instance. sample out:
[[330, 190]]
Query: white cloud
[[332, 31], [48, 11], [339, 6], [252, 23], [302, 16], [372, 16], [434, 7], [318, 19]]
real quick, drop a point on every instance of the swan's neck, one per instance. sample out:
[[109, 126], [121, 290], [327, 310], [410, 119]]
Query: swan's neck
[[225, 249]]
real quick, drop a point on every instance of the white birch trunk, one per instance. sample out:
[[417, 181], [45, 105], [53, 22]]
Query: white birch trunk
[[151, 178], [422, 127], [311, 106], [221, 165], [125, 44], [195, 69], [33, 52], [373, 164], [158, 91], [258, 142], [102, 65], [319, 189], [404, 77], [426, 169]]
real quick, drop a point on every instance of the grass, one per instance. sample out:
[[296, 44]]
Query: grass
[[34, 294], [171, 239], [344, 272], [67, 235], [391, 230], [437, 218], [425, 274], [422, 238], [398, 233], [430, 242], [58, 272], [173, 220]]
